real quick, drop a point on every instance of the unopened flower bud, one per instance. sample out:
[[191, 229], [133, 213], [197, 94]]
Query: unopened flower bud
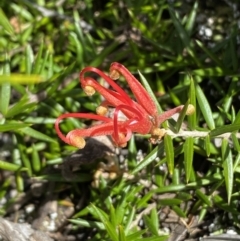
[[190, 109]]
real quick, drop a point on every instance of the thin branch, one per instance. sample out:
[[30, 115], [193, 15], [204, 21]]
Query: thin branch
[[197, 134]]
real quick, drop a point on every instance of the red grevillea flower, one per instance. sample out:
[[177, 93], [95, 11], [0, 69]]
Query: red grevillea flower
[[141, 114]]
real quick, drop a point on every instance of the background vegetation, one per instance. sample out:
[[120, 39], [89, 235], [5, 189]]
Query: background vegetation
[[185, 50]]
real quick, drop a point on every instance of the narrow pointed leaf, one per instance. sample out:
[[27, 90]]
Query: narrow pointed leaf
[[188, 156], [224, 129], [4, 22], [210, 54], [227, 167], [129, 219], [192, 119], [20, 108], [203, 212], [170, 201], [183, 34], [88, 224], [36, 134], [5, 93], [154, 238], [121, 234], [155, 219], [204, 198], [150, 91], [9, 166], [5, 98], [214, 71], [157, 151], [29, 59], [12, 126], [36, 163], [221, 203], [24, 158], [143, 202], [178, 211], [105, 52], [207, 143], [84, 177], [181, 117], [191, 18], [237, 118], [19, 181], [111, 230], [20, 79], [205, 107], [37, 62], [136, 235], [168, 145], [108, 226], [235, 142], [170, 188], [112, 216], [148, 222], [236, 162]]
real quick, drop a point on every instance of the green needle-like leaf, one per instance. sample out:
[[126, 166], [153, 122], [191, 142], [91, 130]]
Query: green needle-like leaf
[[209, 53], [38, 60], [192, 119], [136, 235], [9, 166], [5, 93], [121, 234], [88, 224], [188, 156], [150, 91], [111, 230], [150, 225], [170, 188], [36, 163], [204, 198], [159, 150], [224, 129], [191, 18], [227, 167], [170, 201], [168, 145], [178, 211], [207, 145], [183, 35], [19, 181], [5, 23], [20, 79], [36, 134], [181, 117], [12, 126], [205, 107]]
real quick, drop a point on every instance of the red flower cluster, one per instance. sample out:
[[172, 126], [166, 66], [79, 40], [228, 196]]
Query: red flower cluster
[[141, 114]]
